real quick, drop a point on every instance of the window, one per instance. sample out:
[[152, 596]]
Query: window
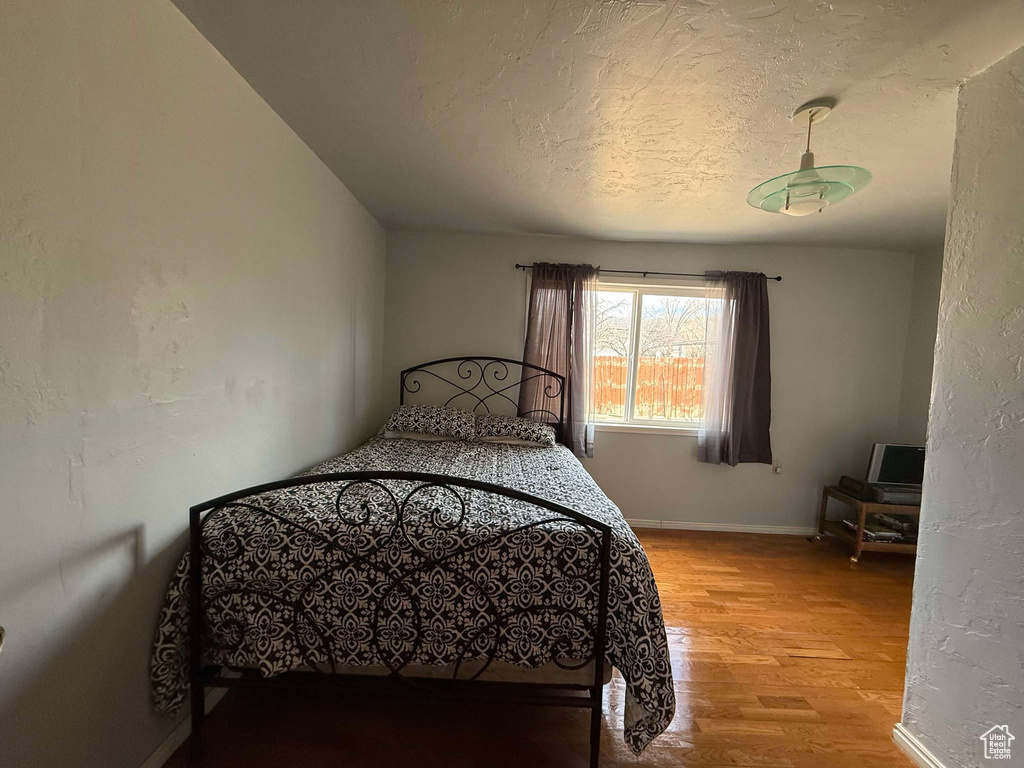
[[652, 344]]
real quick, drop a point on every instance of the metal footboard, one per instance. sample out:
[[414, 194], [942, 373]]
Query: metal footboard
[[397, 533]]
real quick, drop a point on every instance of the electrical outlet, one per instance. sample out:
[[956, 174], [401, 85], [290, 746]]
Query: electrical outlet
[[777, 469]]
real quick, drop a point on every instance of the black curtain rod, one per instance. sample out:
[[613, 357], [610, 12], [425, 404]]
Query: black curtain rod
[[645, 273]]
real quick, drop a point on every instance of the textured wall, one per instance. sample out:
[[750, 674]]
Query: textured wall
[[190, 302], [965, 670], [839, 322], [917, 362]]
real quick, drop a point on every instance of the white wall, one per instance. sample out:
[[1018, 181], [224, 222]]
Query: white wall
[[964, 670], [915, 395], [838, 323], [190, 302]]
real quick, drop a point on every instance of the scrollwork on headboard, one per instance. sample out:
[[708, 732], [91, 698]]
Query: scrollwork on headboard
[[488, 385]]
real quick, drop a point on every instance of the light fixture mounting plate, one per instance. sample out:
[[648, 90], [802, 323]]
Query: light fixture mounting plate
[[819, 109]]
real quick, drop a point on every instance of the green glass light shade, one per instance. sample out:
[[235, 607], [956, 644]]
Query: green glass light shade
[[809, 190]]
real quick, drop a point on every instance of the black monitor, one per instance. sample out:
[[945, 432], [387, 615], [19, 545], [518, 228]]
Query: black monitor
[[896, 464]]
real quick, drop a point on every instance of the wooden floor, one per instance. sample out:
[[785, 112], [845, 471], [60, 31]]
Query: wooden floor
[[785, 656]]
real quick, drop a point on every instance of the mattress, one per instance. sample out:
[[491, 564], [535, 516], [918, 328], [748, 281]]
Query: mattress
[[279, 597]]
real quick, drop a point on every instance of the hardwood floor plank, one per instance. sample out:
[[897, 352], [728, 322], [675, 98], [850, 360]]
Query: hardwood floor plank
[[817, 653], [784, 702], [779, 714], [739, 728]]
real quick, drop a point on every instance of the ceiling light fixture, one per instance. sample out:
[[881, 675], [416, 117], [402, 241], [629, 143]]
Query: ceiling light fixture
[[809, 190]]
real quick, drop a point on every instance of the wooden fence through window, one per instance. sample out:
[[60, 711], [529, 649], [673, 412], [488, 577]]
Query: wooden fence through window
[[667, 387]]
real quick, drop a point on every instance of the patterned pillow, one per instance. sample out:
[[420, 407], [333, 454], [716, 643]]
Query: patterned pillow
[[498, 428], [443, 423]]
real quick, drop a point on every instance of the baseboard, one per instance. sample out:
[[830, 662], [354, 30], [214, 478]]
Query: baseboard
[[790, 530], [913, 748], [178, 736]]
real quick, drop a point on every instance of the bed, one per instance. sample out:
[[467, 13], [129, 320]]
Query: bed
[[442, 567]]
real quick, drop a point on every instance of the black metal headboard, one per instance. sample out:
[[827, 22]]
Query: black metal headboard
[[484, 383]]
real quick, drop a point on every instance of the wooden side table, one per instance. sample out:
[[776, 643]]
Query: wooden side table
[[863, 508]]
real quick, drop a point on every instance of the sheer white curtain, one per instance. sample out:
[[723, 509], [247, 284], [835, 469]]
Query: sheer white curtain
[[718, 374], [583, 351]]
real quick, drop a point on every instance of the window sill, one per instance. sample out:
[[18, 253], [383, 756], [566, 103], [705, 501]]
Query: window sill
[[646, 429]]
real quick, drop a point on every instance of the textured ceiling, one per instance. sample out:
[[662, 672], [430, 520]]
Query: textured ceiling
[[620, 119]]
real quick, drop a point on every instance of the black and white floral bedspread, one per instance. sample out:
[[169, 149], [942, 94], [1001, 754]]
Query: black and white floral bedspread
[[312, 584]]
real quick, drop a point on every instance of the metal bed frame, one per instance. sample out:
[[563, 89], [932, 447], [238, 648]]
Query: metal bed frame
[[483, 381], [490, 375]]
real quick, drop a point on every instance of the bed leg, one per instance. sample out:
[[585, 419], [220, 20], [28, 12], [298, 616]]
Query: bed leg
[[597, 705], [198, 707], [197, 691]]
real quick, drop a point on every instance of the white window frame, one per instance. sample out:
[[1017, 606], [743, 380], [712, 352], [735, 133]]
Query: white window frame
[[690, 288]]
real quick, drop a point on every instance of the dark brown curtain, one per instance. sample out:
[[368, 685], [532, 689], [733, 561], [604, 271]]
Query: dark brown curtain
[[738, 381], [559, 338]]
